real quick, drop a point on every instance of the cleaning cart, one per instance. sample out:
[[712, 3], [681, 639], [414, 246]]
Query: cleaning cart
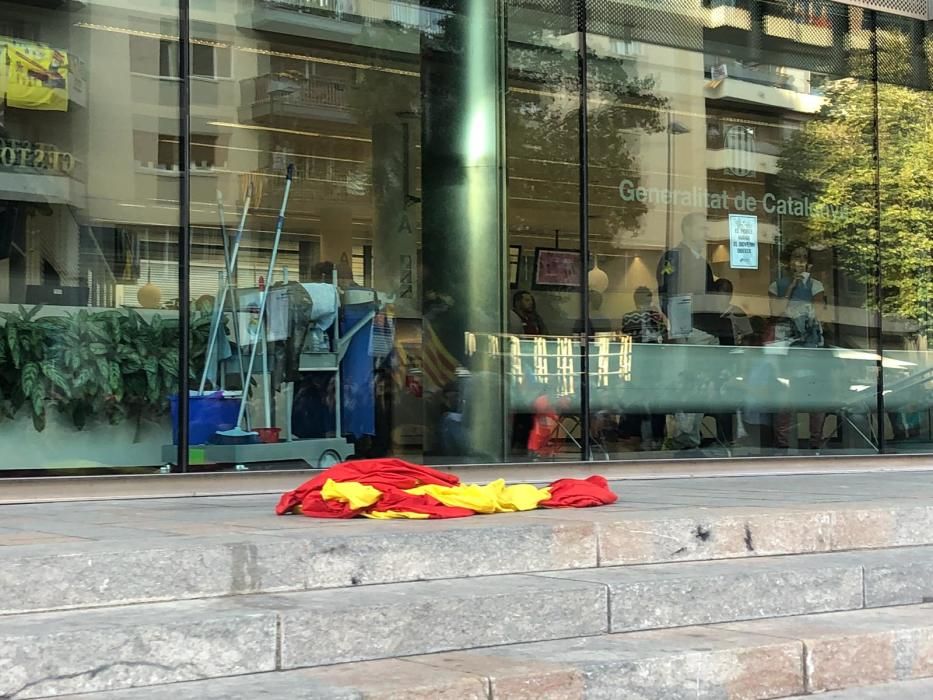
[[256, 320]]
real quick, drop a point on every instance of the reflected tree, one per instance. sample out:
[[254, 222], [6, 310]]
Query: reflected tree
[[833, 161]]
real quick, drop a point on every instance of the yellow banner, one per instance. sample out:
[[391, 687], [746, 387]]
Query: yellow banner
[[36, 77]]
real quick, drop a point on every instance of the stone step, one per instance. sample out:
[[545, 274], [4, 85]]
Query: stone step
[[302, 554], [752, 661], [293, 554], [859, 648], [660, 596], [257, 633], [57, 653], [905, 690]]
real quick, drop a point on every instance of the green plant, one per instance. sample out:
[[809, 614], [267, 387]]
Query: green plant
[[30, 377], [108, 365]]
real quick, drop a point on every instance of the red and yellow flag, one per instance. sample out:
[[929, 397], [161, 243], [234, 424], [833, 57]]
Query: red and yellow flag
[[391, 488]]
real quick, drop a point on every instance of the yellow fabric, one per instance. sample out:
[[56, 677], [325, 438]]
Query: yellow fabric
[[351, 492], [521, 497], [4, 70], [37, 77], [494, 497], [395, 515]]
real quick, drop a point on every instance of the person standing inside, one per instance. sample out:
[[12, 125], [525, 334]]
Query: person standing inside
[[684, 271], [795, 298], [685, 285], [524, 320]]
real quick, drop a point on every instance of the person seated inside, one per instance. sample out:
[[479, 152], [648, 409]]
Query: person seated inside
[[646, 324], [733, 323], [524, 318]]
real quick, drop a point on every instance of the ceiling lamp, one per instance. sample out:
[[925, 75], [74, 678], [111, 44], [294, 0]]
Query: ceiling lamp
[[598, 279]]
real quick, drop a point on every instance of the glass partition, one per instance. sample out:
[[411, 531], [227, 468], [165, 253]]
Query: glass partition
[[347, 239], [89, 215], [726, 202], [462, 233], [546, 259], [905, 135]]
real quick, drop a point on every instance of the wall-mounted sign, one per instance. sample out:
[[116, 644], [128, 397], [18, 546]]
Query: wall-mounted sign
[[741, 201], [743, 242], [18, 153]]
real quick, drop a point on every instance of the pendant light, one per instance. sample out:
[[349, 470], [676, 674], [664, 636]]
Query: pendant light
[[598, 279]]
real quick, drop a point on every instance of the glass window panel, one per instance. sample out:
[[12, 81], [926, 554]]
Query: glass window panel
[[387, 262], [88, 236], [906, 225], [543, 344], [733, 195]]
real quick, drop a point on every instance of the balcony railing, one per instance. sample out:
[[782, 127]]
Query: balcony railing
[[398, 12], [276, 90]]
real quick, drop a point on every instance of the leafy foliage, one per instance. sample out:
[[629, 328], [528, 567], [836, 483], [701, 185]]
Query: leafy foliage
[[109, 365], [833, 160]]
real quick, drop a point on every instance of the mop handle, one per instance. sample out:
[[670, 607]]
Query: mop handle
[[230, 265], [218, 305], [279, 225], [239, 233], [230, 259]]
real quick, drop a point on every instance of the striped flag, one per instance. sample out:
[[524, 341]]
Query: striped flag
[[440, 367]]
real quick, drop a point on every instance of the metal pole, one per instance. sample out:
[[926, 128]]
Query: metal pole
[[669, 222], [184, 244], [583, 74], [878, 271], [264, 295]]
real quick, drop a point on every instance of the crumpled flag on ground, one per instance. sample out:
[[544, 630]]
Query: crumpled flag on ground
[[391, 488]]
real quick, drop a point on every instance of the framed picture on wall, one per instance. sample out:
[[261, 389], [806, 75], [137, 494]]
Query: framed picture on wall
[[515, 265], [557, 269]]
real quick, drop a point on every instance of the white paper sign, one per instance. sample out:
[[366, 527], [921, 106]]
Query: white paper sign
[[680, 315], [743, 242]]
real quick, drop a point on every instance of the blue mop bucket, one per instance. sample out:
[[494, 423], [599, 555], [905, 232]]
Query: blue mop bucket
[[207, 415]]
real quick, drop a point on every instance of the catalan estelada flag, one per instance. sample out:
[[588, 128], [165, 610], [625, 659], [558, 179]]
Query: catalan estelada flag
[[391, 488], [439, 365]]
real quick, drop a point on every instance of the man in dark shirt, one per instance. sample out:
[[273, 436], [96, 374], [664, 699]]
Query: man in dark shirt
[[685, 281], [684, 270]]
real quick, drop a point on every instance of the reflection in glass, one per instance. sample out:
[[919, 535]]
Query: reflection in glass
[[89, 210], [387, 286]]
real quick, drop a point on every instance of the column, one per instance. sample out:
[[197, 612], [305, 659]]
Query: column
[[463, 241]]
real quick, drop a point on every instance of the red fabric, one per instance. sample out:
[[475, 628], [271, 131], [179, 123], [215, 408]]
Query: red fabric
[[316, 507], [393, 476], [381, 474], [394, 499], [543, 427], [579, 493], [288, 501]]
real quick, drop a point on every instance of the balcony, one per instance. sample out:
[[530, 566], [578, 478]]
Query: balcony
[[392, 25], [273, 97], [774, 87]]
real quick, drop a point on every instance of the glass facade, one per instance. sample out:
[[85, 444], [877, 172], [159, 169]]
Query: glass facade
[[462, 233]]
